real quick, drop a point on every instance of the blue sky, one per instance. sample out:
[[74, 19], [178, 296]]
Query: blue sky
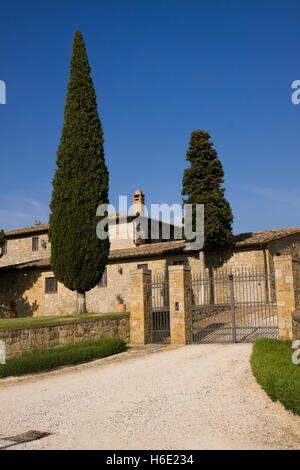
[[161, 69]]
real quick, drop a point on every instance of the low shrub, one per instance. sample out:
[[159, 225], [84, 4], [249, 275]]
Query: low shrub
[[272, 366], [49, 359]]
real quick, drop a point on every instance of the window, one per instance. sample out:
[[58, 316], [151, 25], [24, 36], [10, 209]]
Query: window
[[142, 266], [35, 243], [4, 248], [103, 282], [50, 285]]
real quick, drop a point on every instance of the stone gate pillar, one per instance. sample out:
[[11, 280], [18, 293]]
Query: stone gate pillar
[[285, 294], [180, 304], [140, 306]]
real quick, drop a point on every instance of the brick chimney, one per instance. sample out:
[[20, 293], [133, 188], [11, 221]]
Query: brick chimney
[[138, 202]]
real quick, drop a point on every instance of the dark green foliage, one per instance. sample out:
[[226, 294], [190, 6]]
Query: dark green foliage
[[44, 360], [2, 238], [272, 366], [201, 184], [80, 184]]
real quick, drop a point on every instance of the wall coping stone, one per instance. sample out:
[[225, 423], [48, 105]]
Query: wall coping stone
[[179, 267], [65, 323]]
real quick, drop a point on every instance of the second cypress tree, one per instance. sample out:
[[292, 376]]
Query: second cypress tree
[[80, 185], [202, 184]]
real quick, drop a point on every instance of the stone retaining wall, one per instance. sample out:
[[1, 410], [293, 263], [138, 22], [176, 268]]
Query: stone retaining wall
[[19, 341]]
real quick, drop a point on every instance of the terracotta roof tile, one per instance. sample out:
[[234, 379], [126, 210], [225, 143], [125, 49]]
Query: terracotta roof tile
[[152, 249], [38, 263], [257, 238], [35, 228]]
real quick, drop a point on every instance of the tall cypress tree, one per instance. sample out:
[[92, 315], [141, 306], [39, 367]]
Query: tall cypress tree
[[80, 185], [202, 184]]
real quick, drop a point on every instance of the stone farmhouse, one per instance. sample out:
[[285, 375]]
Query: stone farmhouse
[[28, 286]]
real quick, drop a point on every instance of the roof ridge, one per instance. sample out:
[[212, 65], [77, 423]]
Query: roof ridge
[[33, 228]]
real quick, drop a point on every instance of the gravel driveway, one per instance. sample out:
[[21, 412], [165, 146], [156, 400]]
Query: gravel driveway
[[194, 397]]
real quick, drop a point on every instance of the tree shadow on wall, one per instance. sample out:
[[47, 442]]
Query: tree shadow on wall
[[14, 285]]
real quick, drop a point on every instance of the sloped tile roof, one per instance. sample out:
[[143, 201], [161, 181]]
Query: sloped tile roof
[[257, 238], [34, 229], [38, 263], [152, 249]]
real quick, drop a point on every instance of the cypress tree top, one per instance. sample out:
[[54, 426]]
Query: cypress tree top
[[80, 184], [201, 184]]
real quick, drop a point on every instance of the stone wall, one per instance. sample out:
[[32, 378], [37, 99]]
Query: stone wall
[[285, 294], [21, 293], [141, 307], [180, 304], [19, 249], [228, 257], [103, 299], [26, 288], [19, 341], [286, 246], [296, 281]]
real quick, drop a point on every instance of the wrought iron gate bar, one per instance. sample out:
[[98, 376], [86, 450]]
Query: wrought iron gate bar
[[160, 309], [237, 304]]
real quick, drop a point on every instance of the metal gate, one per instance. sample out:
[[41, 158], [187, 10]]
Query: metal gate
[[234, 306], [160, 309]]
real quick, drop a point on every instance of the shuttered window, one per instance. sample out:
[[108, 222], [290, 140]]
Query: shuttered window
[[50, 285], [35, 243]]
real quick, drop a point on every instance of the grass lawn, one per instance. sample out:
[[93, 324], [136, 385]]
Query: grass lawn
[[49, 359], [47, 320], [272, 366]]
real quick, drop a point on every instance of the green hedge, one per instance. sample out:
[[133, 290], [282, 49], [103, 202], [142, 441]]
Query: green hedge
[[272, 366], [49, 359]]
